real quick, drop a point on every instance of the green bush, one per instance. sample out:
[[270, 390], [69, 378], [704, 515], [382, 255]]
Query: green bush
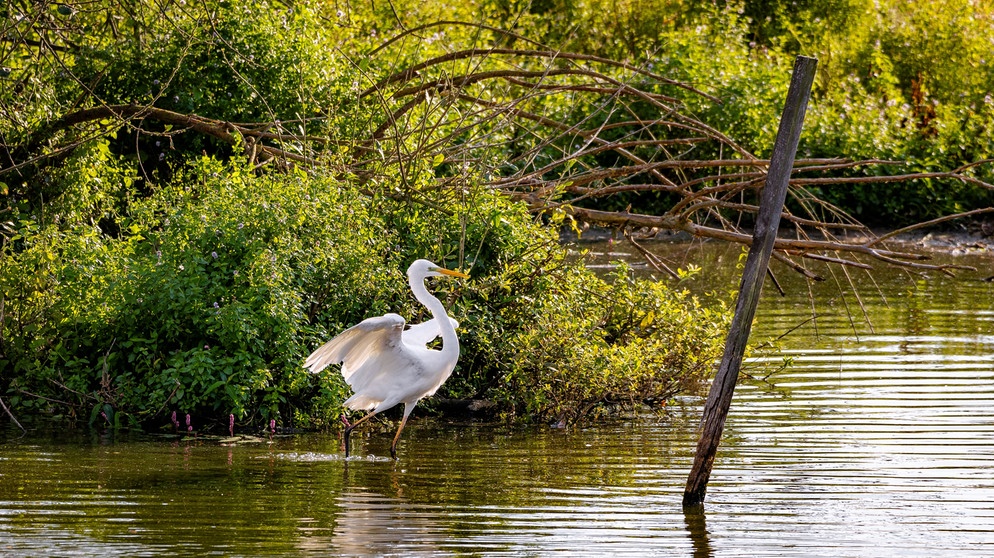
[[214, 289], [205, 301], [907, 81], [591, 342]]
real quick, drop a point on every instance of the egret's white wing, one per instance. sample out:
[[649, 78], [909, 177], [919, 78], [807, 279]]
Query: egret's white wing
[[419, 335], [375, 362], [355, 346]]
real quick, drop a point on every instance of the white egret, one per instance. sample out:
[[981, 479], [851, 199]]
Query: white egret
[[386, 364]]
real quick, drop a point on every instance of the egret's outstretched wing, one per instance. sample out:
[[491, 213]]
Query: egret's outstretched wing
[[357, 346], [419, 335]]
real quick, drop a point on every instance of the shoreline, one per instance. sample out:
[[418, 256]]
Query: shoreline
[[974, 238]]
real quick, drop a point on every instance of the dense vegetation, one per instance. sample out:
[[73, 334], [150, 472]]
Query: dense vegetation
[[897, 80], [152, 263]]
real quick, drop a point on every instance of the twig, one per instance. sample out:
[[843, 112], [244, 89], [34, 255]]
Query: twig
[[49, 399], [653, 259], [11, 415], [933, 222]]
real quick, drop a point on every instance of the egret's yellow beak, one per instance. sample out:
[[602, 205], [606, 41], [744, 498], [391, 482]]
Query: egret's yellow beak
[[458, 274]]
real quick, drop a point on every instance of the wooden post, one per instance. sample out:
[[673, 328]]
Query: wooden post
[[771, 204]]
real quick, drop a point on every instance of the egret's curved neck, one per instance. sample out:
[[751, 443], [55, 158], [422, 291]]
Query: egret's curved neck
[[450, 343]]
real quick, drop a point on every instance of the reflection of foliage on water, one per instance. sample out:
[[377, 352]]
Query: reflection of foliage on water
[[918, 302], [156, 495]]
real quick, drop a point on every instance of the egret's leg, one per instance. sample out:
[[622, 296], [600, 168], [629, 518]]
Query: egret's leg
[[403, 421], [351, 427]]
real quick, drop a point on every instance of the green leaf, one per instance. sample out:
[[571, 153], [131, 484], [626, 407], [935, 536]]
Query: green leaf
[[210, 389]]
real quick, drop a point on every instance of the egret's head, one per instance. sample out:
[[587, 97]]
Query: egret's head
[[423, 268]]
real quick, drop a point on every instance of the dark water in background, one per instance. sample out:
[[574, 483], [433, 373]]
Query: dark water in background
[[877, 441]]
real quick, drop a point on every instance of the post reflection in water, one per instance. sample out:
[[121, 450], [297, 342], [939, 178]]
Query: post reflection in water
[[697, 528]]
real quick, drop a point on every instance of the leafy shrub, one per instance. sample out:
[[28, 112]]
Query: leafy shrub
[[592, 341], [203, 304], [214, 289]]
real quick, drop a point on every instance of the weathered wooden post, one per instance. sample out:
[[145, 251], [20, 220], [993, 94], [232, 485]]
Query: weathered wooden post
[[771, 204]]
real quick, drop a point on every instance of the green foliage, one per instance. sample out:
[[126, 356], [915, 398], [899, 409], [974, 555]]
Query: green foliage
[[205, 301], [219, 284], [591, 341], [897, 80], [233, 61]]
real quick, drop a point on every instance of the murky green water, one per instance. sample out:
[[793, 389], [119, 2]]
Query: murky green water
[[878, 441]]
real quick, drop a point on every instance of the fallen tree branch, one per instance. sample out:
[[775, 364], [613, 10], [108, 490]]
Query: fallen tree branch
[[122, 115], [805, 247]]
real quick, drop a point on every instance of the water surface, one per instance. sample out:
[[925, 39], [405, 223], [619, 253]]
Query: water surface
[[877, 441]]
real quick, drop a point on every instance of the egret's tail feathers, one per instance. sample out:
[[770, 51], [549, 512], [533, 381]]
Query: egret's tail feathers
[[359, 402]]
